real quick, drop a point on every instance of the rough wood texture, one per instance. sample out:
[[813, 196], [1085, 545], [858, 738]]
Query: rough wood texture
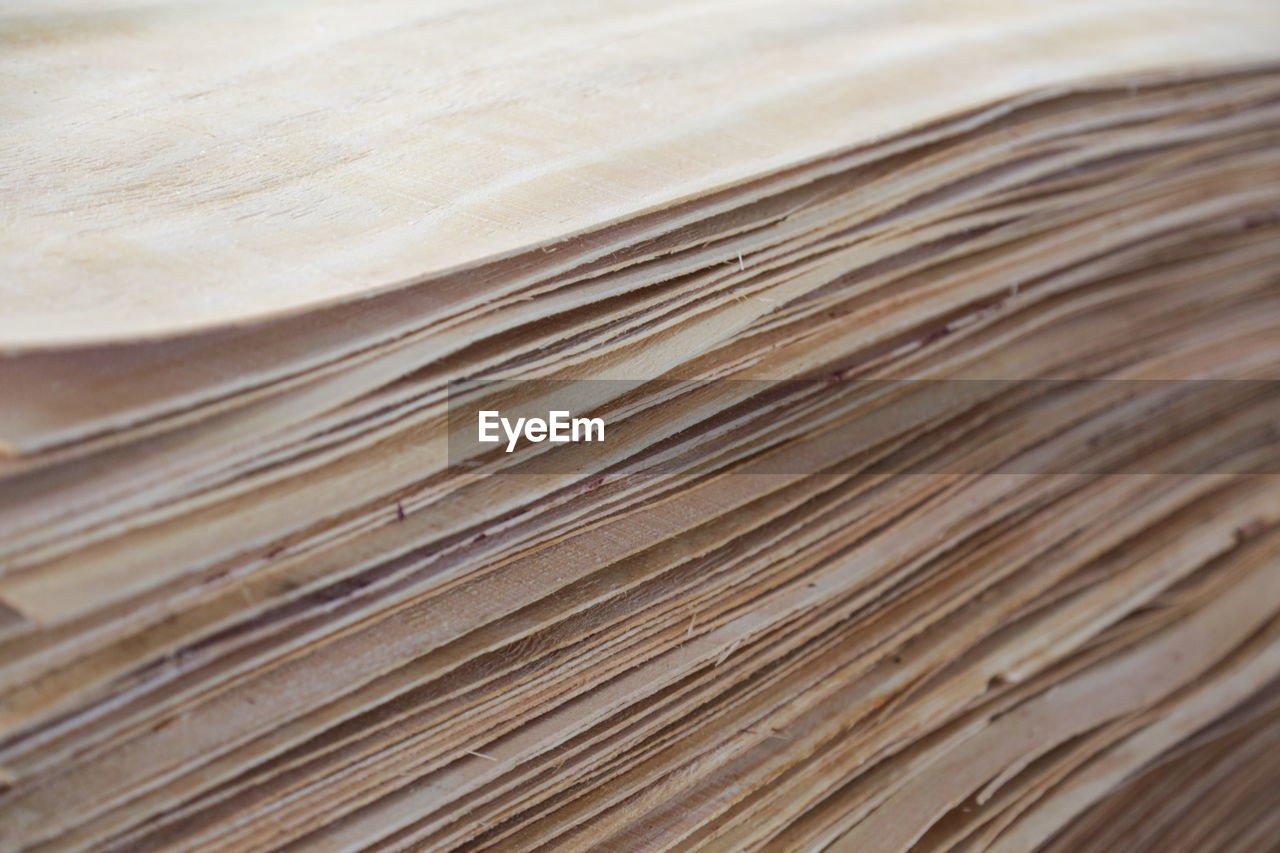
[[938, 346]]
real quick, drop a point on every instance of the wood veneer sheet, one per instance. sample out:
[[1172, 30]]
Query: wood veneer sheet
[[173, 169], [936, 349]]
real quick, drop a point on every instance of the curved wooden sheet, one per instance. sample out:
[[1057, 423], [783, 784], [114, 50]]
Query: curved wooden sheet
[[176, 166]]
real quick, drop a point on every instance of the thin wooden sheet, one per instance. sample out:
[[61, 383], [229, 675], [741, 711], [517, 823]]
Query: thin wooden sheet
[[182, 166]]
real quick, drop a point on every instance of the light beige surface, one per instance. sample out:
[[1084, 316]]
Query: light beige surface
[[179, 165], [245, 604]]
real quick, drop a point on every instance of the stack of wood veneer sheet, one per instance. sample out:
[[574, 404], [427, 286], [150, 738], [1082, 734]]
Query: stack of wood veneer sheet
[[935, 349]]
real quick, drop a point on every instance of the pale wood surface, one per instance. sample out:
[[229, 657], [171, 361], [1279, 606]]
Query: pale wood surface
[[249, 602], [174, 166]]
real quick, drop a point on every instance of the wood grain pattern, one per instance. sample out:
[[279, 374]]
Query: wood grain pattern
[[938, 347], [182, 165]]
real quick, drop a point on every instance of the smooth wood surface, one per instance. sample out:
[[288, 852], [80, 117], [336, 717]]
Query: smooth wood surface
[[182, 165]]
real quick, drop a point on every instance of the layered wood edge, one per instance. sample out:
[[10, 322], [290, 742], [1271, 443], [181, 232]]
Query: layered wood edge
[[250, 603], [178, 168]]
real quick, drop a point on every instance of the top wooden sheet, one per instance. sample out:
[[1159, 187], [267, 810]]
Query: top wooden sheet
[[173, 166]]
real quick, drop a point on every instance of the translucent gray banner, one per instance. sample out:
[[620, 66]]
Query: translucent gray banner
[[841, 426]]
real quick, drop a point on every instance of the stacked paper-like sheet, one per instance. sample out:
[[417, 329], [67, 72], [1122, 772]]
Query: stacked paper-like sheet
[[936, 352]]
